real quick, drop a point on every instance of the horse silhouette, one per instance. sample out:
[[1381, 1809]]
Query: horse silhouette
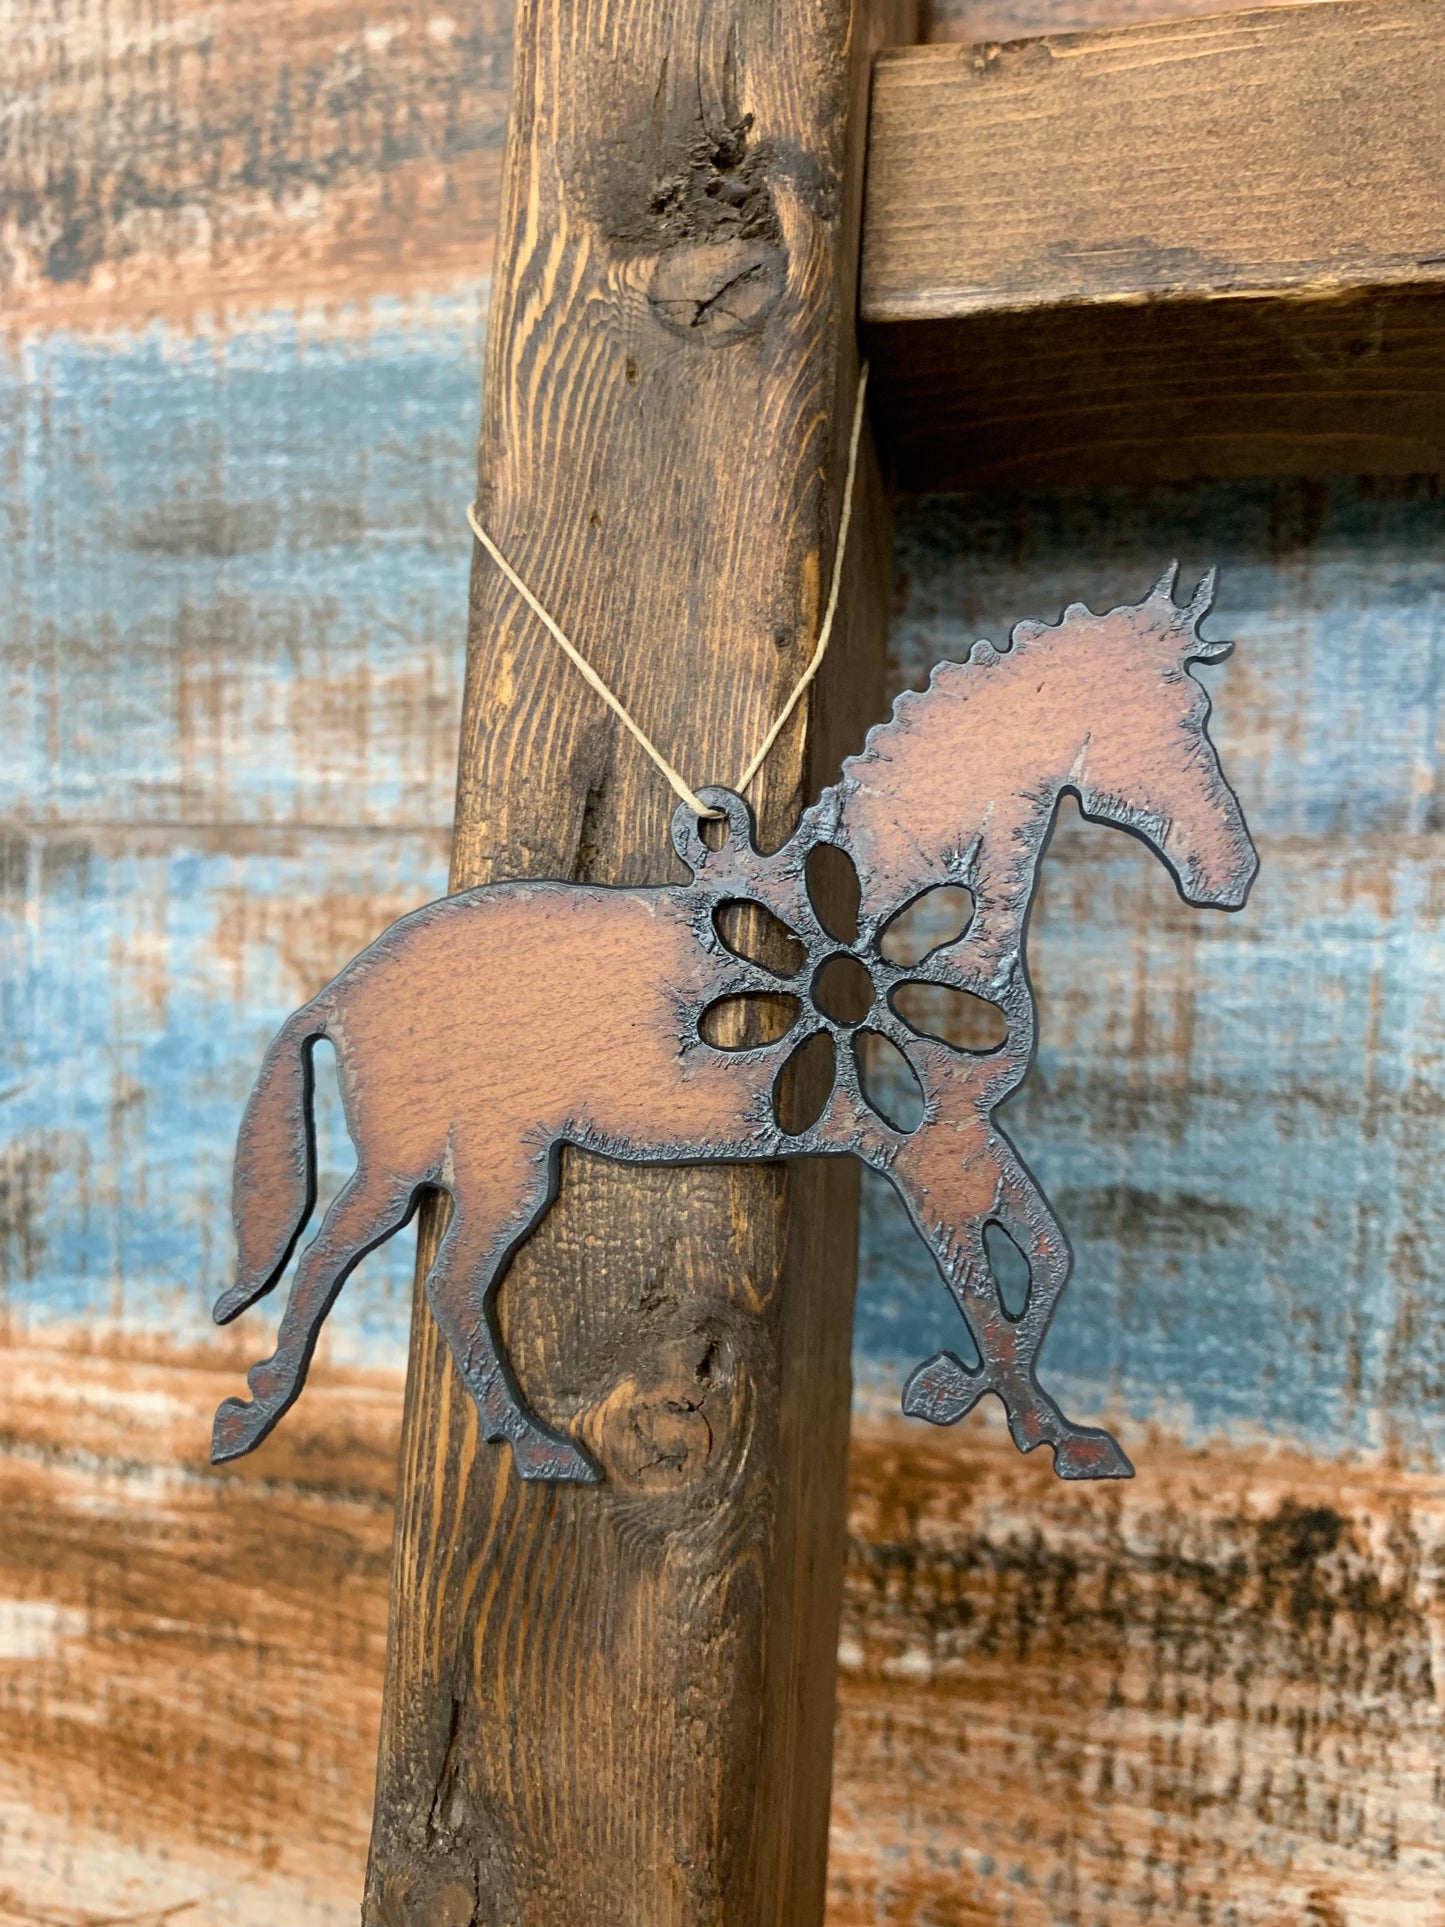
[[478, 1035]]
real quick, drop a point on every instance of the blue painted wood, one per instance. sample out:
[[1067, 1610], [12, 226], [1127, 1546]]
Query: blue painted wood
[[1238, 1118], [233, 606]]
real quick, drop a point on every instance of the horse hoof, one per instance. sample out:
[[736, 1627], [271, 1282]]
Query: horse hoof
[[1091, 1455], [554, 1458], [239, 1427], [942, 1390]]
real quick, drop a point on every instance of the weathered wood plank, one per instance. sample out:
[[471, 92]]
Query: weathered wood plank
[[164, 159], [1203, 247], [973, 20], [1216, 1679], [190, 1668], [230, 678], [615, 1702], [1215, 1688]]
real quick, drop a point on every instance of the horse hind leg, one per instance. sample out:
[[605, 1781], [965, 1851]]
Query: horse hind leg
[[943, 1389], [461, 1288], [363, 1214]]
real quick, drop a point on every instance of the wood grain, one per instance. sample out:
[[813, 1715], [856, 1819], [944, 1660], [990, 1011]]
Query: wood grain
[[1204, 247], [1214, 1687], [190, 1667], [1051, 1700], [972, 20], [615, 1704], [167, 159]]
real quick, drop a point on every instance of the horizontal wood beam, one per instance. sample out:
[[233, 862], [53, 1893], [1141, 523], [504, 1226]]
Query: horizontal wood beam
[[1206, 247]]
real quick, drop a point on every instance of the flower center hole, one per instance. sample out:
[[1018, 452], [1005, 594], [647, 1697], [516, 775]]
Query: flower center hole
[[843, 990]]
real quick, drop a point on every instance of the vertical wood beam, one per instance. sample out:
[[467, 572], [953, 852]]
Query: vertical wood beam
[[614, 1704]]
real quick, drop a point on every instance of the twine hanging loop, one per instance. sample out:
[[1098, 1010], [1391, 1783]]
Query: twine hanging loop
[[615, 704]]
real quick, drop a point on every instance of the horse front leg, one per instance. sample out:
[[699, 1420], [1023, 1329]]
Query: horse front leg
[[943, 1388]]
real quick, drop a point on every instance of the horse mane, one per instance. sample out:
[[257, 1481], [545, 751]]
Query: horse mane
[[945, 678]]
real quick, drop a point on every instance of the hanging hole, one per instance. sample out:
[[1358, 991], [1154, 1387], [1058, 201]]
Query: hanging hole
[[953, 1017], [751, 931], [834, 890], [843, 990], [1010, 1269], [940, 916], [748, 1021], [889, 1081], [713, 830], [804, 1085]]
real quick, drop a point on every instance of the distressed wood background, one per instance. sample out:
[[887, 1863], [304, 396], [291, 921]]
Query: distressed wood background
[[243, 271]]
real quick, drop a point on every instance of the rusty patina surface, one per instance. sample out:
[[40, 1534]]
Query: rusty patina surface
[[478, 1035]]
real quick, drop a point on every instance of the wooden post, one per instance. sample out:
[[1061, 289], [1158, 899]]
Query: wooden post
[[614, 1704]]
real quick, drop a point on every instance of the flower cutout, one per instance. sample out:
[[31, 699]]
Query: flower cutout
[[850, 1006]]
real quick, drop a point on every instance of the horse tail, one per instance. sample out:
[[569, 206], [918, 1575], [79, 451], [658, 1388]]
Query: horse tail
[[274, 1189]]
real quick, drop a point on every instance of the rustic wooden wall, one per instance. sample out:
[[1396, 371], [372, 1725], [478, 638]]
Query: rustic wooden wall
[[243, 256]]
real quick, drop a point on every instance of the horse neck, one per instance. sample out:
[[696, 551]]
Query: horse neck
[[973, 806]]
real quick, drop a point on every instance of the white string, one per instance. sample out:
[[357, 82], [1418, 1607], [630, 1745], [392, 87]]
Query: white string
[[692, 801], [825, 632]]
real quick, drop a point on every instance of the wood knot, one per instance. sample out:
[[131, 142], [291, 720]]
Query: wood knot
[[664, 1431], [717, 291], [401, 1904]]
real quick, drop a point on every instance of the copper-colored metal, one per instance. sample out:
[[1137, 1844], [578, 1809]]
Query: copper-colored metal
[[478, 1035]]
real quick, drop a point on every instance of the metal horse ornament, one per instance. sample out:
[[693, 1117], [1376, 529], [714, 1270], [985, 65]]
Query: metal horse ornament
[[478, 1035]]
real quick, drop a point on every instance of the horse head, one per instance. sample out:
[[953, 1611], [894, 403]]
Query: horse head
[[961, 784], [1146, 761]]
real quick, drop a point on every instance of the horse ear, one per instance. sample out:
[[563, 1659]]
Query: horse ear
[[1196, 649], [1202, 601], [1163, 590]]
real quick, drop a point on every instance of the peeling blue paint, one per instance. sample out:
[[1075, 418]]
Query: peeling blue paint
[[1238, 1118], [233, 607], [233, 599]]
